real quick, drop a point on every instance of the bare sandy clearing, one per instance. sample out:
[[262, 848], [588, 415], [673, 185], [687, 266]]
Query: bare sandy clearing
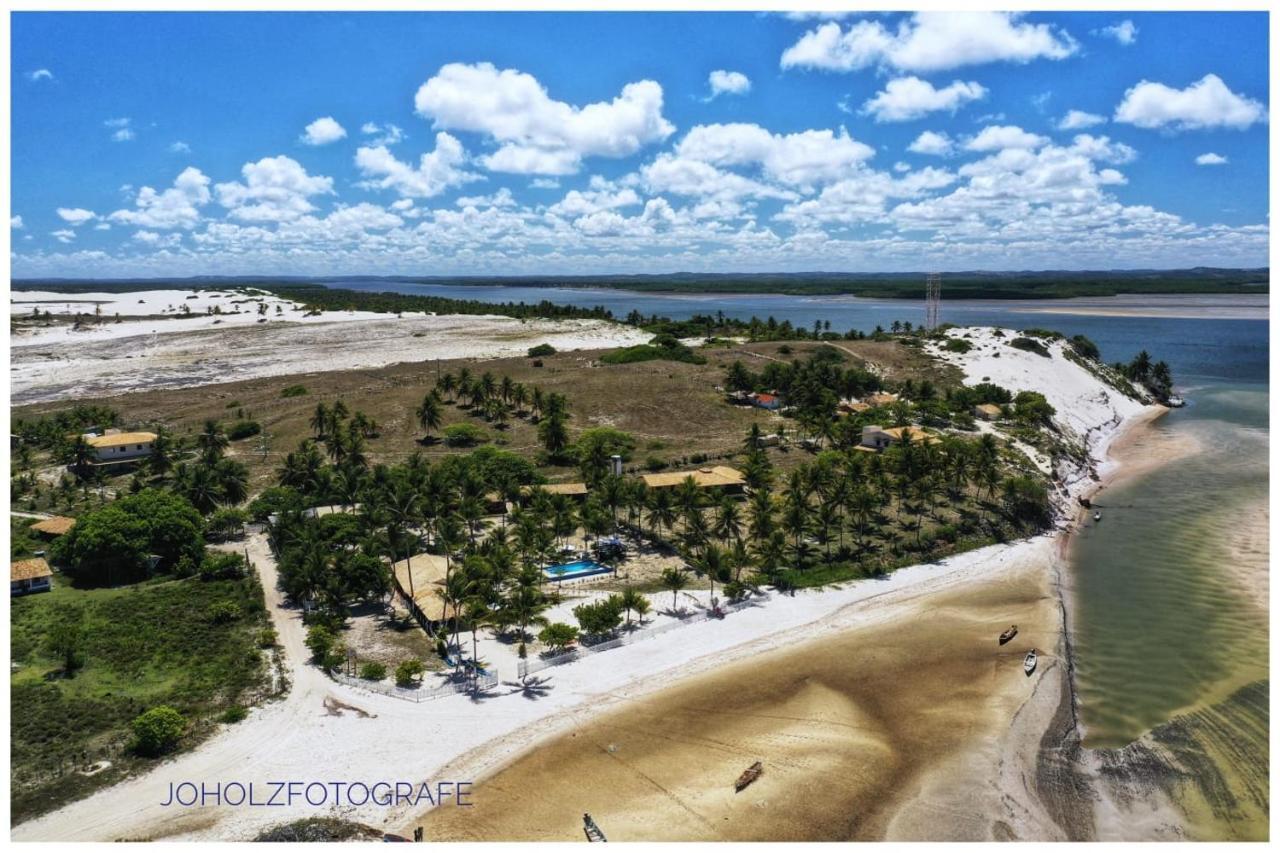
[[117, 365]]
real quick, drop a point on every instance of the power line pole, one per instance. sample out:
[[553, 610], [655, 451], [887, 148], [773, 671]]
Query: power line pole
[[932, 300]]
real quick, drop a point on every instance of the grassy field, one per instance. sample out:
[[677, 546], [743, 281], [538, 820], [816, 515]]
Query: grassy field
[[142, 646], [672, 408]]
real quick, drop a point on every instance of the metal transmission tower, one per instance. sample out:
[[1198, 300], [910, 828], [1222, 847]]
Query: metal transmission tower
[[932, 300]]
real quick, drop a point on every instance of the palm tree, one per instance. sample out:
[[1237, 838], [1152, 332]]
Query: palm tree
[[526, 603], [320, 420], [232, 481], [661, 513], [728, 520], [447, 384], [161, 458], [674, 580], [212, 441], [430, 413], [81, 455], [711, 563]]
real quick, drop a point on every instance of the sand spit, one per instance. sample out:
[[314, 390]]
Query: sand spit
[[883, 709], [1245, 306], [52, 368]]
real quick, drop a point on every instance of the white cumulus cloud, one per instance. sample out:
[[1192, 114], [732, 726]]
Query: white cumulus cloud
[[908, 98], [16, 223], [937, 144], [1207, 103], [798, 159], [436, 171], [322, 131], [537, 134], [1123, 31], [39, 74], [76, 215], [387, 134], [1211, 159], [275, 189], [929, 41], [1079, 120], [728, 83], [998, 137], [177, 207]]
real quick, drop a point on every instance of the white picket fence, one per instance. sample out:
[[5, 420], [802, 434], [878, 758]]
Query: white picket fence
[[526, 668], [478, 684]]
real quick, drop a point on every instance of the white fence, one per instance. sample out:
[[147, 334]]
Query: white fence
[[528, 667], [478, 684]]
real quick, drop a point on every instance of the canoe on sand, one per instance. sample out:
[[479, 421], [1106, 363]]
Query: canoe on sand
[[748, 776]]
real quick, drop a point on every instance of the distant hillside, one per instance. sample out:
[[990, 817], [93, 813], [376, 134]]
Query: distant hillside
[[1025, 284]]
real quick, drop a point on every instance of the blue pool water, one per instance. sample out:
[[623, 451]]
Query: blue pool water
[[578, 569]]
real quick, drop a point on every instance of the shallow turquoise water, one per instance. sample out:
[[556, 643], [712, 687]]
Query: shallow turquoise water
[[1163, 619]]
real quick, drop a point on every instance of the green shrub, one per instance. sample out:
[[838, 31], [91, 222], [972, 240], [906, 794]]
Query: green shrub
[[157, 731], [222, 566], [267, 638], [243, 429], [294, 391], [463, 435], [599, 617], [558, 635], [235, 714], [320, 641], [541, 350], [1085, 347], [224, 612], [1030, 345], [409, 672], [373, 671], [957, 345]]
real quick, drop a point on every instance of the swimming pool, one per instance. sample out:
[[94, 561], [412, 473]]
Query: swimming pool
[[577, 569]]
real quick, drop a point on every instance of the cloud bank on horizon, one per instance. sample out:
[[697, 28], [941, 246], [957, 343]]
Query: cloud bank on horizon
[[560, 144]]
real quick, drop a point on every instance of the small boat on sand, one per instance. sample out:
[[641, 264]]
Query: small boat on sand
[[748, 776], [593, 832], [1008, 634], [1097, 516], [1029, 662]]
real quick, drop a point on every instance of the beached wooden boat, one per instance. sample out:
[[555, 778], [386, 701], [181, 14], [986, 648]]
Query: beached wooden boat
[[1029, 662], [748, 776], [1008, 634], [593, 832]]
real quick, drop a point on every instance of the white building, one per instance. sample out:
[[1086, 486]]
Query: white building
[[121, 446]]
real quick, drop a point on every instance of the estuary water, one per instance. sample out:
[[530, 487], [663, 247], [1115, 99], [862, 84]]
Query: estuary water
[[1170, 610]]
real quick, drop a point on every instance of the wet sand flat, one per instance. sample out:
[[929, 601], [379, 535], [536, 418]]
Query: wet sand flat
[[906, 718]]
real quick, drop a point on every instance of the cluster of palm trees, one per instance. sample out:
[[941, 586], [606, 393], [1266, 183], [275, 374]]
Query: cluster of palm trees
[[497, 400], [842, 506], [210, 480], [343, 434]]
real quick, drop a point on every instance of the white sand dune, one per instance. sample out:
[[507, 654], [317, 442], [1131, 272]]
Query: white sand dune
[[57, 362]]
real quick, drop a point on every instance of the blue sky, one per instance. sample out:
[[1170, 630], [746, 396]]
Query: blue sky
[[188, 144]]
